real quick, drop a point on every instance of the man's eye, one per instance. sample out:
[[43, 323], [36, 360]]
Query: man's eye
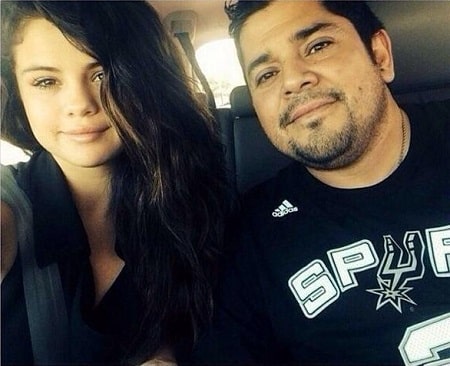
[[319, 46], [264, 77], [44, 83]]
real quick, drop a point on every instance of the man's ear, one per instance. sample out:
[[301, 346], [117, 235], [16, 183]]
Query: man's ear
[[382, 55]]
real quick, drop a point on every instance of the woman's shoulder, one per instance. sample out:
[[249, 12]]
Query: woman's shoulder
[[8, 238], [15, 212]]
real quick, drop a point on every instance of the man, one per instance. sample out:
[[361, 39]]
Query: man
[[344, 256]]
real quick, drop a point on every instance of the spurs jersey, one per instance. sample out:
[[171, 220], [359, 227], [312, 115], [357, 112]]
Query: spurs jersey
[[343, 276]]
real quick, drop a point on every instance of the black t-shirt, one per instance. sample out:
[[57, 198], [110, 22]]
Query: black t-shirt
[[97, 335], [343, 276]]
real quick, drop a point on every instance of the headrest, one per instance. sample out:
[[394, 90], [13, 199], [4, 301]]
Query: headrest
[[241, 102], [420, 43]]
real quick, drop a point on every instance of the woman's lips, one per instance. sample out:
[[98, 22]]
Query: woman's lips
[[85, 134]]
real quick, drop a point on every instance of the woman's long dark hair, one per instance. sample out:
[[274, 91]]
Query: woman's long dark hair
[[168, 186]]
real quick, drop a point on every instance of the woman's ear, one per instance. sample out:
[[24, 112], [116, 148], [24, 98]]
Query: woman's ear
[[382, 55]]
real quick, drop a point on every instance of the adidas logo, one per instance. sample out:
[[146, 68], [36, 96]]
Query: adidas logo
[[285, 208]]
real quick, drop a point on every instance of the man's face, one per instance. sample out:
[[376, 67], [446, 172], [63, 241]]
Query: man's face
[[318, 94]]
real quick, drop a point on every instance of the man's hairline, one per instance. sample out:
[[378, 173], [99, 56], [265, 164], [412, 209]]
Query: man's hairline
[[237, 37]]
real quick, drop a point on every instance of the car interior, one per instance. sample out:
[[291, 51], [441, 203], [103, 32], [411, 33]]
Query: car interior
[[420, 34], [421, 45]]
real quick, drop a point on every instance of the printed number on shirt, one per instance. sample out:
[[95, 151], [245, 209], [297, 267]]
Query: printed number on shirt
[[422, 343]]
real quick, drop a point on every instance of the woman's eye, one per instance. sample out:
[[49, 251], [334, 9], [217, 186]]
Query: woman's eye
[[264, 77], [44, 83], [319, 46], [98, 76]]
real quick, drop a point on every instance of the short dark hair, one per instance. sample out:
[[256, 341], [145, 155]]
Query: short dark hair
[[358, 13]]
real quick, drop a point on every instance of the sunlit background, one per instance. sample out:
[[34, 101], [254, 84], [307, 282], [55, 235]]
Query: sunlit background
[[11, 154], [219, 63]]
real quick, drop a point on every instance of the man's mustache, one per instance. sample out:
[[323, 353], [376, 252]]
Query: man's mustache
[[308, 100]]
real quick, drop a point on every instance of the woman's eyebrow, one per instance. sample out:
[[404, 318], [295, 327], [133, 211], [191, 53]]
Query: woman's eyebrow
[[32, 68], [93, 65], [39, 68]]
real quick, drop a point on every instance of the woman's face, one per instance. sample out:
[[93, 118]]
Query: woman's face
[[60, 89]]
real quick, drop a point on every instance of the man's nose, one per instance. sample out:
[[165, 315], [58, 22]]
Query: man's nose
[[297, 76]]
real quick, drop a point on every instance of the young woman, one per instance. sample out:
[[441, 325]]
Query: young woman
[[125, 186]]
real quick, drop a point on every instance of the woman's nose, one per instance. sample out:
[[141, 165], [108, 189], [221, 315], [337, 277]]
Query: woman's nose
[[81, 99]]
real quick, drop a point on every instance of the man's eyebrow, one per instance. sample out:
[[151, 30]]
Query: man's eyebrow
[[306, 32], [257, 61], [299, 35]]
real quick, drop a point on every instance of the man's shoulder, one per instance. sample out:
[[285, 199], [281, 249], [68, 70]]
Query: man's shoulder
[[436, 111], [430, 121]]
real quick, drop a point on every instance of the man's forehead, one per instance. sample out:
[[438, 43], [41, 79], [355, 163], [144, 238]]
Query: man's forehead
[[280, 10], [294, 19], [280, 15]]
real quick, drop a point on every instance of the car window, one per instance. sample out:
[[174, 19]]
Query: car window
[[219, 63], [10, 154]]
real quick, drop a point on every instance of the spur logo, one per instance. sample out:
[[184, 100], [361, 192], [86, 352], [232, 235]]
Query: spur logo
[[315, 287]]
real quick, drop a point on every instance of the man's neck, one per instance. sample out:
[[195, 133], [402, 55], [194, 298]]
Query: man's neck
[[382, 157]]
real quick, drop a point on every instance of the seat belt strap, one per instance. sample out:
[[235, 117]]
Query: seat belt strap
[[44, 296], [185, 41]]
